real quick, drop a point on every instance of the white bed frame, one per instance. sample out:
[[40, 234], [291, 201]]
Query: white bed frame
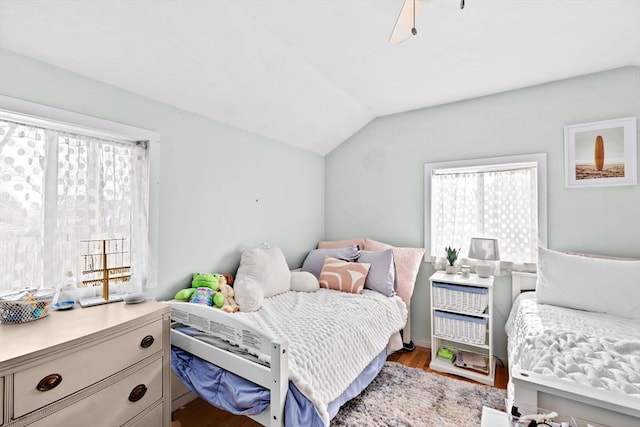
[[533, 390], [222, 325]]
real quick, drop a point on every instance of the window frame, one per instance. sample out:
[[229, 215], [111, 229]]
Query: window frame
[[27, 112], [490, 163]]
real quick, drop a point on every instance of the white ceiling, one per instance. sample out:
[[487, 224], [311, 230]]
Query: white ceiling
[[312, 73]]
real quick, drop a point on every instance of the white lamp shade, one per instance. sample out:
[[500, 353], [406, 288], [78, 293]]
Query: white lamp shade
[[484, 249]]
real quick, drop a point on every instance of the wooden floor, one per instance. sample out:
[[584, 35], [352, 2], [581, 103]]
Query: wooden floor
[[200, 414]]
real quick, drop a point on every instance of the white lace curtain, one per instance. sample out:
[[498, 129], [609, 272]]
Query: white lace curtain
[[57, 189], [499, 204]]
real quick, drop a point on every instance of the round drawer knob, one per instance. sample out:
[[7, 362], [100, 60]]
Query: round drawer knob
[[137, 393], [49, 382], [147, 341]]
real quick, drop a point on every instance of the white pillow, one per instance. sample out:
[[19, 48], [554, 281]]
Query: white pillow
[[593, 284], [303, 281], [248, 294], [267, 267]]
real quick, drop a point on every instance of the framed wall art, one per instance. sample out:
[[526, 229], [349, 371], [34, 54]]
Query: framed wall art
[[601, 153]]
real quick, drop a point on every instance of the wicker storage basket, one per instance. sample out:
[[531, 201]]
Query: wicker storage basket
[[25, 305], [457, 327], [469, 299]]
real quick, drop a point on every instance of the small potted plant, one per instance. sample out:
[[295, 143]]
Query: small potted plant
[[452, 256]]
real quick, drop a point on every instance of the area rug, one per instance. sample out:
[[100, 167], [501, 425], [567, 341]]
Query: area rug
[[402, 396]]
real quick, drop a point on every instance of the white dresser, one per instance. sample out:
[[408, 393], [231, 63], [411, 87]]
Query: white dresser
[[107, 365]]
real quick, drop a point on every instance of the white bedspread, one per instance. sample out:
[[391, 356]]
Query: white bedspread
[[594, 349], [332, 336]]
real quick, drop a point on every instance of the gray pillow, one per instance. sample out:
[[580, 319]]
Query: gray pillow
[[382, 273], [315, 260]]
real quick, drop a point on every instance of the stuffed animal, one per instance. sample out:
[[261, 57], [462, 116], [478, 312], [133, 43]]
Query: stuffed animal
[[226, 291], [203, 295], [199, 280], [185, 294], [228, 278], [205, 280], [212, 290]]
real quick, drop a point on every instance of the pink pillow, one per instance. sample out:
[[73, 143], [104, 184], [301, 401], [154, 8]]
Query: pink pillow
[[407, 262], [332, 244], [343, 275]]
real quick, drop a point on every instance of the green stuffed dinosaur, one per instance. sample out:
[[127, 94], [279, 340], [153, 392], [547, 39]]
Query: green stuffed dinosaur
[[206, 280], [199, 280]]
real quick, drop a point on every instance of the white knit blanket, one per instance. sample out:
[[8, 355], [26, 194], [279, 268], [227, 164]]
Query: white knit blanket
[[332, 336], [593, 349]]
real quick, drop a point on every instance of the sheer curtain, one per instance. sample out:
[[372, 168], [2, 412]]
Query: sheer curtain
[[59, 188], [22, 191], [498, 203]]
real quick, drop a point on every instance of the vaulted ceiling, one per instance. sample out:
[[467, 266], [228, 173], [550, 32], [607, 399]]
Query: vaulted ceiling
[[311, 73]]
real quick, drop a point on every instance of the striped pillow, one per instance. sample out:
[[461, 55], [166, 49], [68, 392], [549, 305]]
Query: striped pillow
[[343, 275]]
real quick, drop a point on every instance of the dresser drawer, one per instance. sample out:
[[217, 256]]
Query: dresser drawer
[[43, 384], [152, 419], [113, 406]]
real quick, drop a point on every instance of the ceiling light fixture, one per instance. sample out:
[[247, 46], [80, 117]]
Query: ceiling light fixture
[[406, 23], [413, 30]]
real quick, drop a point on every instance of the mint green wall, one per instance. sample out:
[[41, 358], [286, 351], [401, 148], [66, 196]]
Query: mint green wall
[[374, 181], [221, 189], [224, 189]]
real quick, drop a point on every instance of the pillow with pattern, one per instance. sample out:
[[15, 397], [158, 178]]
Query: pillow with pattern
[[343, 275], [315, 259]]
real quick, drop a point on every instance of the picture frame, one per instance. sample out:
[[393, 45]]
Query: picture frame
[[601, 153]]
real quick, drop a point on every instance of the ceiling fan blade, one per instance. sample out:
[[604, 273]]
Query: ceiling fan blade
[[405, 21]]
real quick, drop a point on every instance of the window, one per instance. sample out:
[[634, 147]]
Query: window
[[503, 198], [67, 178]]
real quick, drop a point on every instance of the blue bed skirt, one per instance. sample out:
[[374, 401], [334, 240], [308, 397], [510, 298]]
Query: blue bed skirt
[[239, 396]]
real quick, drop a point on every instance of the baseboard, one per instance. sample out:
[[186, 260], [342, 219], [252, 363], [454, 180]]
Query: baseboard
[[181, 401], [422, 343]]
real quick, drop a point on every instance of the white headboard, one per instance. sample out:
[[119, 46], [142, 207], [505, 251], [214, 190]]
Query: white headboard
[[522, 282]]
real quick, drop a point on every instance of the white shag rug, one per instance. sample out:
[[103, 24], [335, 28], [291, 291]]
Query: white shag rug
[[402, 396]]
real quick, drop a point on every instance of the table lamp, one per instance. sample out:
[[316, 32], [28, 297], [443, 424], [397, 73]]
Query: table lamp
[[484, 249]]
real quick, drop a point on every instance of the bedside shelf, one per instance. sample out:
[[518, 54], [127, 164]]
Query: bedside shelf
[[462, 325]]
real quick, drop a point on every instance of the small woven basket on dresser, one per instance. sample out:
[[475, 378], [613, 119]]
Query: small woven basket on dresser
[[34, 304]]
